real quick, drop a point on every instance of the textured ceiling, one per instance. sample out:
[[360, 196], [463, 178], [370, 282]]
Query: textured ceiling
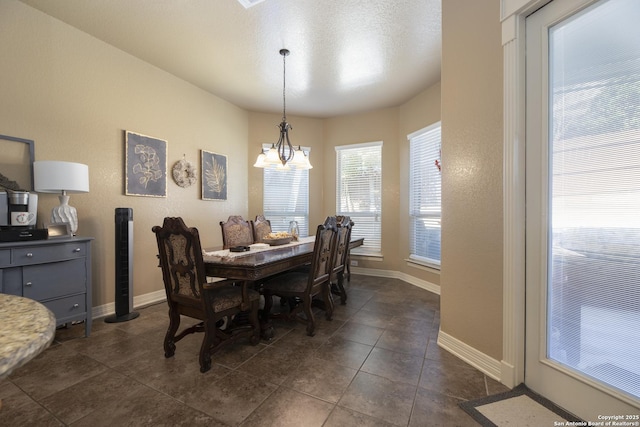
[[346, 55]]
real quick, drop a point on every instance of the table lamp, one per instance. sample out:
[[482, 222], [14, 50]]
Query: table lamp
[[51, 176]]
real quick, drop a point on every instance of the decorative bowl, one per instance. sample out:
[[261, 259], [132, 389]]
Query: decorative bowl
[[279, 241]]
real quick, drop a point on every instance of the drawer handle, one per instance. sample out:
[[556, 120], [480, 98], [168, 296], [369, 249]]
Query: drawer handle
[[28, 284], [76, 250], [29, 255], [76, 305]]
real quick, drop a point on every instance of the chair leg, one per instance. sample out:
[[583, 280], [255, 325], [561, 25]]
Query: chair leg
[[255, 323], [169, 338], [328, 300], [311, 321], [343, 292], [207, 341], [347, 267]]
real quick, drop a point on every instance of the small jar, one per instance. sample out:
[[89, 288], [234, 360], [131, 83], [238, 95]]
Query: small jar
[[294, 230]]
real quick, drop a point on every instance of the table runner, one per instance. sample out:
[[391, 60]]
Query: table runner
[[227, 254]]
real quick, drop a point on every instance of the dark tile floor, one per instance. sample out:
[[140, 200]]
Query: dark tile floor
[[376, 363]]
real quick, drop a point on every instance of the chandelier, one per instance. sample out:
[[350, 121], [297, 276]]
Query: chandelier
[[282, 155]]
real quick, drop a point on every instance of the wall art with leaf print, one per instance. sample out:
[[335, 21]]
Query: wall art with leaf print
[[146, 166], [214, 176]]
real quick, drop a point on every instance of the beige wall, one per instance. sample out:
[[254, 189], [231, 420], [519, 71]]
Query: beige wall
[[75, 96], [471, 282]]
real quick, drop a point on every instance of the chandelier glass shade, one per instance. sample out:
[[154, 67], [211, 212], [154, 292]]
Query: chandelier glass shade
[[282, 154]]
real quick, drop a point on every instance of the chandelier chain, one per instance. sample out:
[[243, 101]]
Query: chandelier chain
[[284, 83]]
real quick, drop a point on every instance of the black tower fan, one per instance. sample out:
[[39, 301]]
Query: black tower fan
[[124, 267]]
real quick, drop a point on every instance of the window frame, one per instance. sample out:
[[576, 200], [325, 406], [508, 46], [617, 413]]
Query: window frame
[[372, 246], [412, 217]]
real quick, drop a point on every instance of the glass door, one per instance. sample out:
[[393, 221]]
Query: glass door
[[583, 207]]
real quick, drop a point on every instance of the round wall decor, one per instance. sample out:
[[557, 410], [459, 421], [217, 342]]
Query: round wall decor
[[184, 173]]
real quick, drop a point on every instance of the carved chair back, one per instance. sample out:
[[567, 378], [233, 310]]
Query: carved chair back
[[261, 228], [342, 247], [182, 266], [236, 231], [323, 254]]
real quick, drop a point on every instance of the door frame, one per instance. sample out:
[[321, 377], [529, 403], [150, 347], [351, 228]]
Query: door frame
[[512, 15]]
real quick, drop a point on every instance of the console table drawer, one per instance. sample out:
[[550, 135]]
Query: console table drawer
[[66, 308], [51, 280], [5, 257], [37, 255]]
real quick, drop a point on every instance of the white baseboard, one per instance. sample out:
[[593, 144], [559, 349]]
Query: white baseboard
[[431, 287], [139, 301], [488, 365]]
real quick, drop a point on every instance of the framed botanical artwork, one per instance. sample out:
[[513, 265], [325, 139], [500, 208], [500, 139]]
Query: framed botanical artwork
[[214, 176], [146, 166]]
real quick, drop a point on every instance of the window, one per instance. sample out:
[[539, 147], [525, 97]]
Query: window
[[593, 230], [286, 198], [359, 192], [425, 195]]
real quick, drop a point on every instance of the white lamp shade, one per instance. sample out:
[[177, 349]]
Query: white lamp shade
[[260, 163], [52, 176], [272, 157], [298, 159]]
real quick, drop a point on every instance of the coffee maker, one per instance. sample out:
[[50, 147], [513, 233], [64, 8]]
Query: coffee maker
[[21, 209], [18, 216]]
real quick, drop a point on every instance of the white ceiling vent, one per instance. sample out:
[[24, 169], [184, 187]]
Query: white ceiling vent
[[248, 3]]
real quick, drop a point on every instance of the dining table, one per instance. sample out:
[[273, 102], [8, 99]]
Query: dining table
[[260, 262], [257, 264]]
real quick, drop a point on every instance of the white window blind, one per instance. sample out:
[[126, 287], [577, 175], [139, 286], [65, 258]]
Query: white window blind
[[358, 192], [286, 198], [594, 177], [425, 195]]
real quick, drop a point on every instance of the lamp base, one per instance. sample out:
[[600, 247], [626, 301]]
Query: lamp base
[[65, 213]]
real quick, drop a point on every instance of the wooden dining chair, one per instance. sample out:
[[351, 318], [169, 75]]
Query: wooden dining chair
[[341, 255], [261, 228], [300, 287], [189, 294], [347, 263], [236, 231]]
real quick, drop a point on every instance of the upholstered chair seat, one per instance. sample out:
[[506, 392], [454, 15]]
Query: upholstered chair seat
[[230, 298]]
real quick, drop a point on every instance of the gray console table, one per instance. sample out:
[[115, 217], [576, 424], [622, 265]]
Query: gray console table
[[55, 272]]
